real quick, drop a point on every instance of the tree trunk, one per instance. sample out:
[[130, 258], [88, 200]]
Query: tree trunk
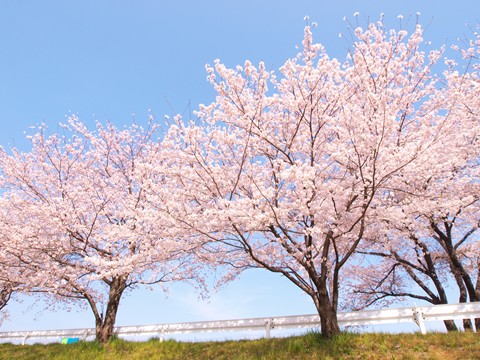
[[104, 325], [477, 325], [477, 291], [450, 325], [467, 323], [327, 313], [5, 295], [329, 322]]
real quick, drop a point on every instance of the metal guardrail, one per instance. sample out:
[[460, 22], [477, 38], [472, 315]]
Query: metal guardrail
[[416, 314]]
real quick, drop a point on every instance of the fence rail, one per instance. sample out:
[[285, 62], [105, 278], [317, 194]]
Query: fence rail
[[416, 314]]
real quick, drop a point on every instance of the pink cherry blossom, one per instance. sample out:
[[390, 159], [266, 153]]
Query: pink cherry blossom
[[75, 215], [290, 170]]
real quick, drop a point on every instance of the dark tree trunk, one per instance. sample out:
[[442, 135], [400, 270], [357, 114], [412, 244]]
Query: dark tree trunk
[[104, 324], [477, 291], [329, 322], [431, 271], [450, 325], [477, 325], [467, 323], [5, 295], [327, 313], [462, 277], [465, 286]]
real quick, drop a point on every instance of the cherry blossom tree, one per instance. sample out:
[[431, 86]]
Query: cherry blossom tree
[[463, 251], [432, 237], [7, 286], [15, 276], [431, 249], [75, 213], [420, 263], [288, 170], [6, 283]]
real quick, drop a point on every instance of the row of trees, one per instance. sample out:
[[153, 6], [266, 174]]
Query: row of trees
[[352, 179]]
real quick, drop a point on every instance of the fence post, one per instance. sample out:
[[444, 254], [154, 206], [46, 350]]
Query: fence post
[[268, 327], [25, 339], [418, 317]]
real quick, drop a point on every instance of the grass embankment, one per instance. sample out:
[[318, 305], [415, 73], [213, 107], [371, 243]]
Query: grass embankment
[[311, 346]]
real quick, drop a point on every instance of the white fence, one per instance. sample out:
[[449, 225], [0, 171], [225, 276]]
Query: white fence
[[418, 315]]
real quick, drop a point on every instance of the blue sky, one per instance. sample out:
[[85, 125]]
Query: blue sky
[[108, 59]]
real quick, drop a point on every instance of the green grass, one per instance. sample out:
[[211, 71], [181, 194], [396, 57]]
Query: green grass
[[310, 346]]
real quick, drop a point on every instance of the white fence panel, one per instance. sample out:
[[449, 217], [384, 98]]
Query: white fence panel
[[419, 315]]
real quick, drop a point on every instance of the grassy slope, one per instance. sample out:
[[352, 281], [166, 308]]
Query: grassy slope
[[311, 346]]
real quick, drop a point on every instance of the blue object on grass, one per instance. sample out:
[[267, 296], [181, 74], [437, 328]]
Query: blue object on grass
[[69, 340]]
